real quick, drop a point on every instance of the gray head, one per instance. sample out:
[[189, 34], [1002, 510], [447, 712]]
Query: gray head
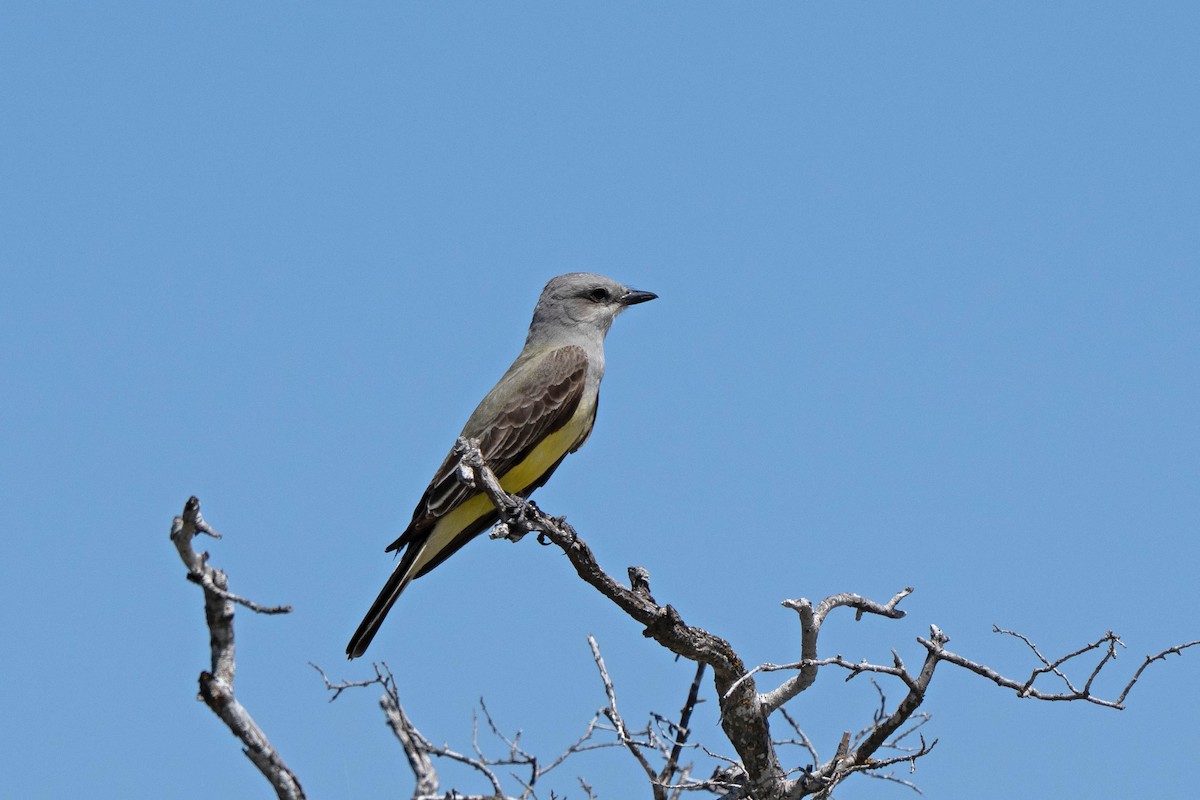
[[582, 301]]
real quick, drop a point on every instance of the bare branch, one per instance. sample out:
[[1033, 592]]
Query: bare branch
[[743, 717], [338, 688], [1026, 688], [744, 713], [614, 717], [216, 684], [921, 719], [667, 774], [420, 752], [1109, 638], [871, 770], [207, 583], [1176, 650], [803, 740], [857, 756], [861, 605], [416, 748], [892, 778], [811, 620]]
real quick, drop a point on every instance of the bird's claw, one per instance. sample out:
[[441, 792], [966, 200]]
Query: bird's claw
[[520, 519]]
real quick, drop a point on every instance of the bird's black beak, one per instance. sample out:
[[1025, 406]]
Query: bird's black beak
[[633, 297]]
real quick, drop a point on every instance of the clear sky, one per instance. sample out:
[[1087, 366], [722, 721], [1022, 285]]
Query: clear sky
[[929, 315]]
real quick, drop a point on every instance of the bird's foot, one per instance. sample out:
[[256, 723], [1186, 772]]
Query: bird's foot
[[562, 533], [525, 514], [522, 518]]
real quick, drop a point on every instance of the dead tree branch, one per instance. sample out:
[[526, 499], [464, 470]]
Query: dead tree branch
[[681, 731], [811, 620], [614, 717], [744, 712], [420, 751], [743, 717], [1107, 644], [667, 742], [216, 684], [757, 773]]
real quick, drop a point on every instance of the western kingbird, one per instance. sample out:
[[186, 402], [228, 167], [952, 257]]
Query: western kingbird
[[541, 410]]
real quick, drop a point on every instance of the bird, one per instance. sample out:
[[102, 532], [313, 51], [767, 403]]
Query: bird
[[540, 411]]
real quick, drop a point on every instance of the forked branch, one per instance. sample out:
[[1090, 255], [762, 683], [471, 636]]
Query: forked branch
[[216, 684], [744, 712]]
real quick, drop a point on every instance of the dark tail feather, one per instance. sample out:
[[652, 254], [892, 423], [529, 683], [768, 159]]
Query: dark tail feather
[[396, 583]]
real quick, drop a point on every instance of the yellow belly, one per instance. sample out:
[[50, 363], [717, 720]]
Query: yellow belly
[[520, 477]]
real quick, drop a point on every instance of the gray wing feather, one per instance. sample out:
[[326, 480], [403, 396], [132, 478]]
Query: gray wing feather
[[531, 401]]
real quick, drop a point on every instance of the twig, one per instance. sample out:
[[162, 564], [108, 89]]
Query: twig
[[216, 684], [614, 716], [420, 752], [338, 688], [1026, 689], [804, 741], [811, 619], [682, 731], [1176, 650], [858, 756], [416, 748]]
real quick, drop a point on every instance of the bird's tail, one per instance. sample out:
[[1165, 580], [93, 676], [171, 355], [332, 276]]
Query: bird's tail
[[405, 571]]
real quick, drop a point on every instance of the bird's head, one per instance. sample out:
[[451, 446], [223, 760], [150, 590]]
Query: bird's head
[[584, 300]]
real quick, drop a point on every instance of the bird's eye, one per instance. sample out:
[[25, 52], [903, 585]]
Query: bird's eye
[[598, 294]]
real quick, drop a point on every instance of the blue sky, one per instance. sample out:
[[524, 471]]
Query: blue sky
[[928, 316]]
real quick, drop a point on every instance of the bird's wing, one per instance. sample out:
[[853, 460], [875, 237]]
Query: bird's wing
[[541, 396]]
